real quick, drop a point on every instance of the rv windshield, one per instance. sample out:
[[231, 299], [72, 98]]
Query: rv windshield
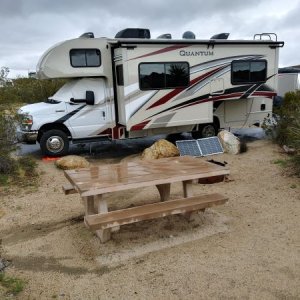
[[76, 88]]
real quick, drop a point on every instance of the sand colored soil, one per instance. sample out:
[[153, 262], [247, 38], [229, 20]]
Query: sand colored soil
[[248, 248]]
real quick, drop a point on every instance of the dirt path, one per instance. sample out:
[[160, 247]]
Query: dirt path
[[248, 248]]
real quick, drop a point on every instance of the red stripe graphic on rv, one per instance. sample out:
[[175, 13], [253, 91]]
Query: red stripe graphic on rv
[[175, 92], [140, 126], [167, 49], [264, 94]]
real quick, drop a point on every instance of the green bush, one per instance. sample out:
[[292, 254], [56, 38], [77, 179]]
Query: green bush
[[8, 165], [23, 90], [29, 90], [7, 131], [288, 127], [12, 285], [20, 170], [288, 130], [27, 165]]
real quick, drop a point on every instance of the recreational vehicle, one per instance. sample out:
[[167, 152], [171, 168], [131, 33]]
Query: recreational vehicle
[[133, 86]]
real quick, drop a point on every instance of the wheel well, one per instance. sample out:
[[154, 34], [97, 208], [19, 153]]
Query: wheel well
[[217, 122], [50, 126]]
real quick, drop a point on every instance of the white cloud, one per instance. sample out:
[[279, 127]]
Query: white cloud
[[29, 27]]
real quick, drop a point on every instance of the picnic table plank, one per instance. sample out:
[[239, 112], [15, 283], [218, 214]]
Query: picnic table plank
[[152, 211]]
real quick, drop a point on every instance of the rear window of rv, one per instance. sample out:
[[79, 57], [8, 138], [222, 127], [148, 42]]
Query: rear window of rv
[[248, 71], [155, 76], [80, 58]]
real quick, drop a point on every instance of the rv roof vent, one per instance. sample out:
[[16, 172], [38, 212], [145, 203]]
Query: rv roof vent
[[189, 35], [220, 36], [167, 36], [134, 33], [89, 35]]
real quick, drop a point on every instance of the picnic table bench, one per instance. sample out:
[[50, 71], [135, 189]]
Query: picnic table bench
[[94, 182]]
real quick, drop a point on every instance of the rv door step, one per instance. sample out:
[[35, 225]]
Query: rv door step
[[90, 140]]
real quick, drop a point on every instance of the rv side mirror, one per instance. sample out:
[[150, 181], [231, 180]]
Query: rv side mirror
[[90, 97]]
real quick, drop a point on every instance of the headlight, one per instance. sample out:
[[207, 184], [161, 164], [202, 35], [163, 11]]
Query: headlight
[[26, 122]]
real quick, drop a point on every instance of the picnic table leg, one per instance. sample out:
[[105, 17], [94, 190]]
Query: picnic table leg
[[103, 234], [188, 192], [164, 191], [89, 205], [187, 188]]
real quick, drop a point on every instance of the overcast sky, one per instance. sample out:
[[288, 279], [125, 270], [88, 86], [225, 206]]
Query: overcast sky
[[29, 27]]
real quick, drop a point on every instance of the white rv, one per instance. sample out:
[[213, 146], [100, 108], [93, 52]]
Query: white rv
[[133, 86]]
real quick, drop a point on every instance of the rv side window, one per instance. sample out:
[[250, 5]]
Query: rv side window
[[248, 71], [154, 76], [120, 78], [85, 58]]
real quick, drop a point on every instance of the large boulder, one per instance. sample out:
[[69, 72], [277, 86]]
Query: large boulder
[[231, 144], [70, 162], [160, 149]]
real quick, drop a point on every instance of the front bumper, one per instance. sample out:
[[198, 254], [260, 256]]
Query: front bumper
[[26, 136]]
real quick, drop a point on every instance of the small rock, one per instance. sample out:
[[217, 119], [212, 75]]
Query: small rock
[[289, 150], [70, 162], [3, 264]]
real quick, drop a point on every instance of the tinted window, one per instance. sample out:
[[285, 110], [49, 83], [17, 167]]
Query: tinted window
[[85, 58], [152, 76], [163, 75], [258, 70], [248, 71], [177, 74]]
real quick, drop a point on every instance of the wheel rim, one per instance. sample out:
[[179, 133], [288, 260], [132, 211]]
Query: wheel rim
[[55, 144], [208, 131]]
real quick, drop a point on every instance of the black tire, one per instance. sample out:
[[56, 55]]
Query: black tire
[[205, 130], [173, 137], [54, 143]]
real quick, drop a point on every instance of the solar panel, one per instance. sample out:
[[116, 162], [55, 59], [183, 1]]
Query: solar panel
[[188, 147], [200, 147], [210, 146]]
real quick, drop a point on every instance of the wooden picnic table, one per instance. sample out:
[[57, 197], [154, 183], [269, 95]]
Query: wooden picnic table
[[94, 182]]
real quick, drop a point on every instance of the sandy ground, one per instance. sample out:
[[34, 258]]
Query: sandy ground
[[246, 249]]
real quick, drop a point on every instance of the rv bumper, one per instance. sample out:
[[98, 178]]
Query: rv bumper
[[27, 136]]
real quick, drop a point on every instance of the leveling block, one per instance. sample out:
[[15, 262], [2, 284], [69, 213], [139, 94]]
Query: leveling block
[[200, 147], [48, 158]]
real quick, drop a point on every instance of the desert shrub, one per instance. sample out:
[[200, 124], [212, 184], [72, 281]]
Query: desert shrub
[[22, 90], [29, 90], [288, 129], [7, 132], [21, 171], [27, 165], [12, 285], [13, 170], [8, 165], [288, 126]]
